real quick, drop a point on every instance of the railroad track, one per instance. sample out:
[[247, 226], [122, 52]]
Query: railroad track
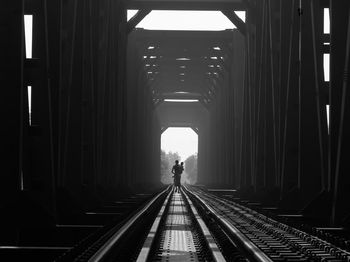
[[266, 239], [195, 225], [179, 234]]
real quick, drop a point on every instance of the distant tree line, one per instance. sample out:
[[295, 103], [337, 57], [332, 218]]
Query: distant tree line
[[191, 168]]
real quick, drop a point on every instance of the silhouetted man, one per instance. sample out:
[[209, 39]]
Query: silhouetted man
[[177, 170]]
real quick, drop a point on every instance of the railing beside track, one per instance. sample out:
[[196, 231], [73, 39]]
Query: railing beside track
[[102, 253]]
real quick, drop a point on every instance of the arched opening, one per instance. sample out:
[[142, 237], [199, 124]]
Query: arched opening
[[179, 143]]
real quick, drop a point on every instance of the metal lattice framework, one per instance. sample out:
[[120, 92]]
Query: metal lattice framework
[[93, 113], [184, 65]]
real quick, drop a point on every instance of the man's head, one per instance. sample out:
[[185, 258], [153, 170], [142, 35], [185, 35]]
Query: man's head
[[182, 163], [176, 162]]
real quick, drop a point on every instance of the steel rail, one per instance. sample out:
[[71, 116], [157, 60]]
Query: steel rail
[[283, 226], [214, 249], [103, 251], [146, 248], [247, 244]]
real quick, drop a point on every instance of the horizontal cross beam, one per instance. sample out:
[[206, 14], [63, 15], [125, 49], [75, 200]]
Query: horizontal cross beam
[[238, 5]]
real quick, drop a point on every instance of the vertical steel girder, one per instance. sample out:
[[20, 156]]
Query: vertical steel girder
[[142, 124], [77, 78], [339, 167], [13, 111], [279, 120], [280, 131], [221, 136]]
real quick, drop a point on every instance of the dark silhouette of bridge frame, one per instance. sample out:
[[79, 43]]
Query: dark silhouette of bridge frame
[[98, 95]]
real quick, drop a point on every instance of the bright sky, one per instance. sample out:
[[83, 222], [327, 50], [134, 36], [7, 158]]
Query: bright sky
[[186, 20], [28, 32], [181, 140]]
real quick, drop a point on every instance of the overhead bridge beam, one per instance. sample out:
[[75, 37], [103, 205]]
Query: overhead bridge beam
[[187, 5], [136, 19], [238, 22], [179, 97]]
